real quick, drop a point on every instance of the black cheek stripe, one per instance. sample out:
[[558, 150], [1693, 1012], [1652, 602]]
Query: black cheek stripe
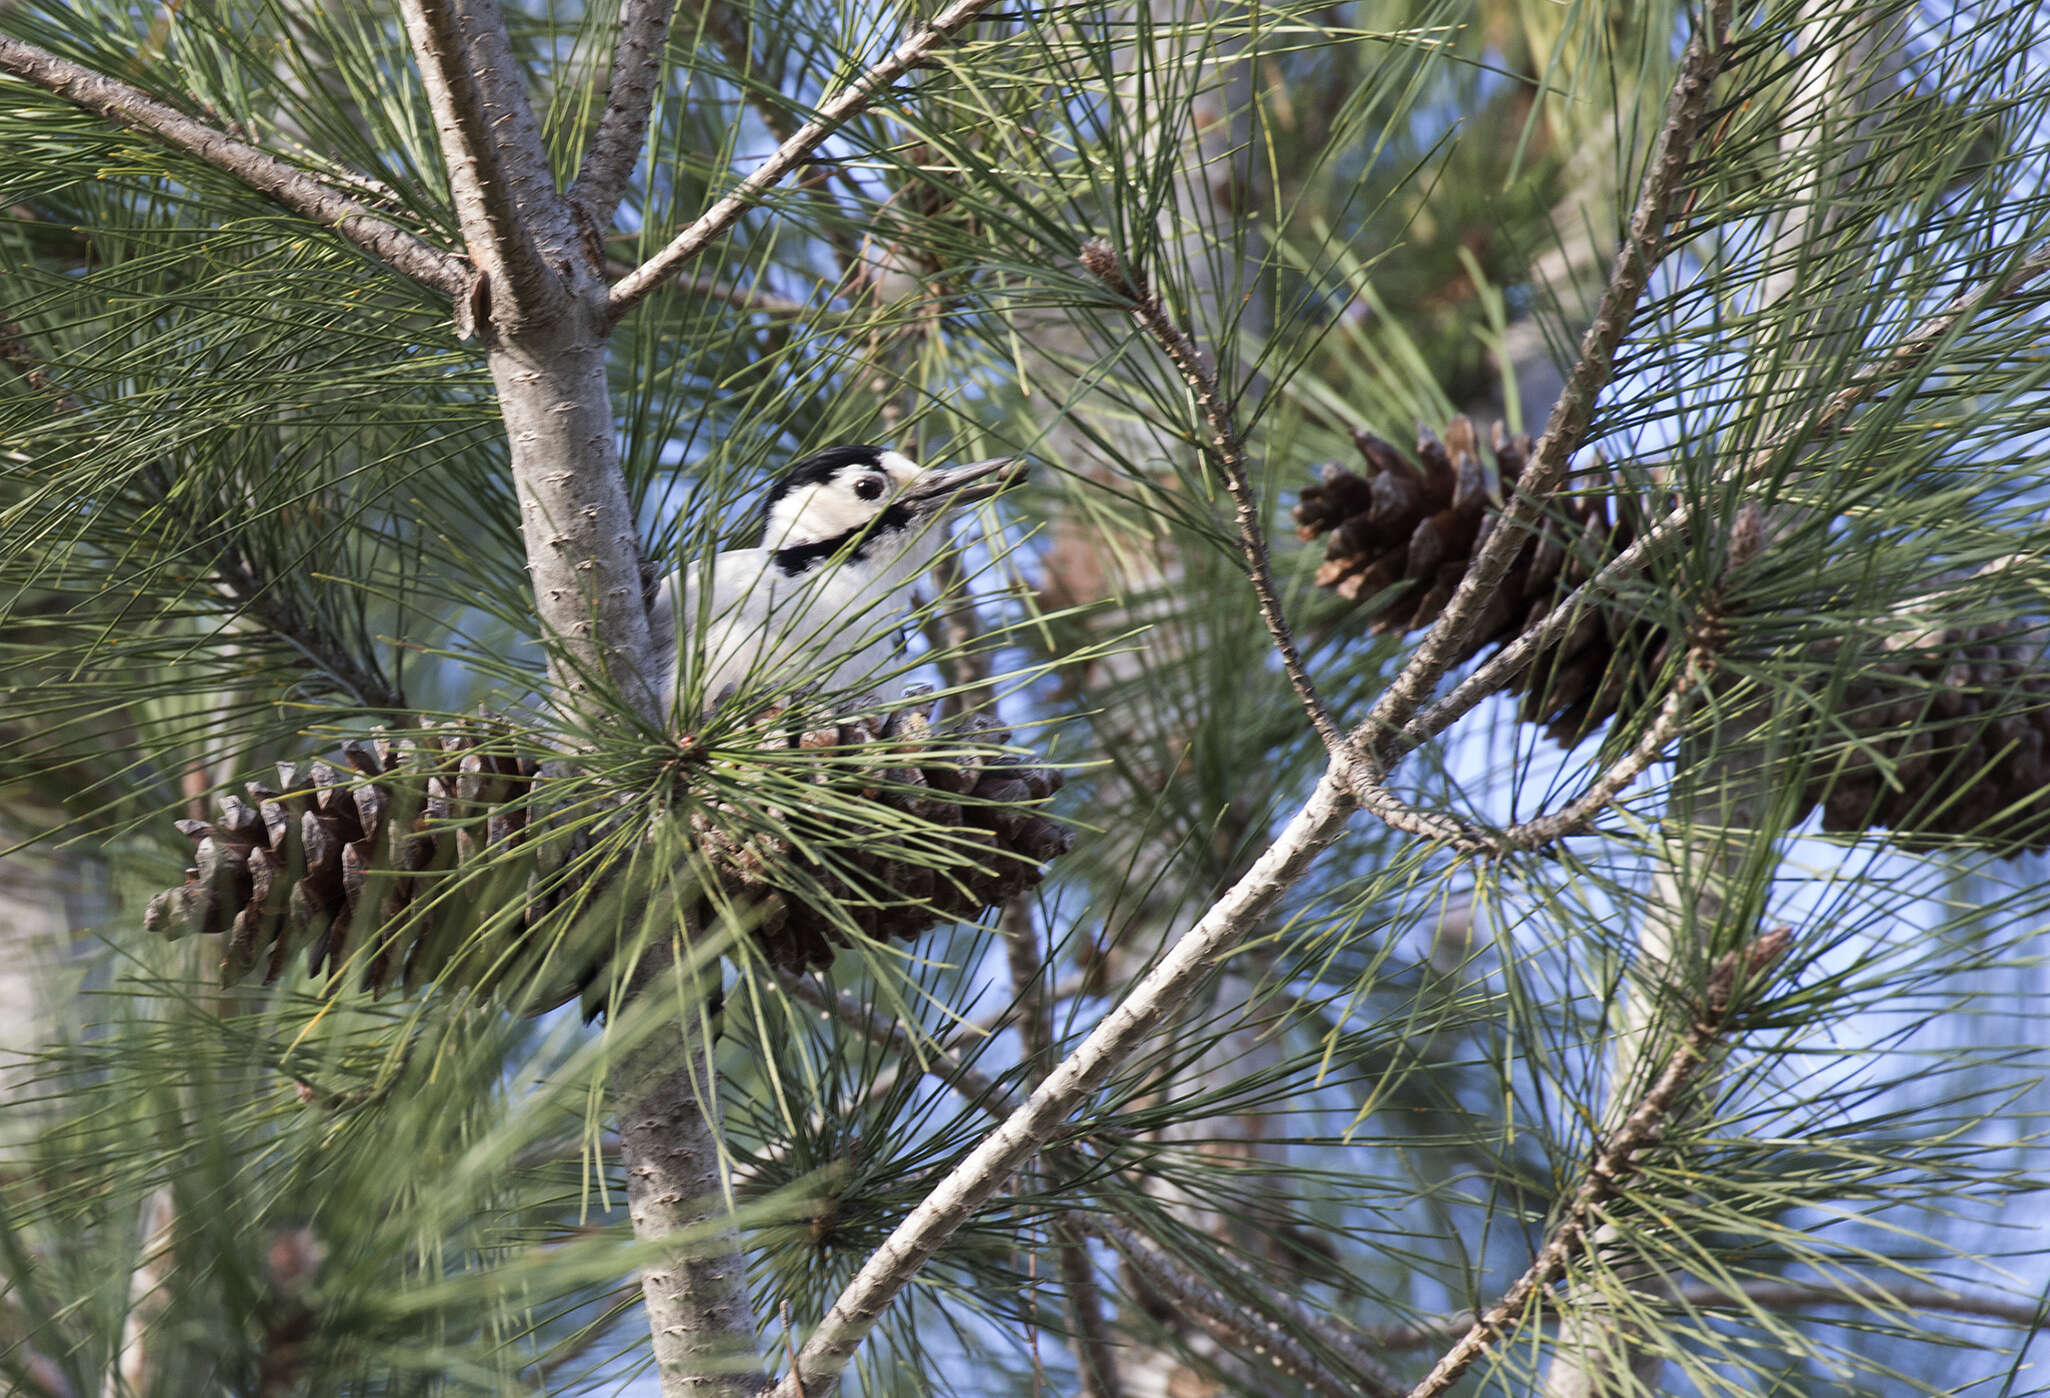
[[801, 558]]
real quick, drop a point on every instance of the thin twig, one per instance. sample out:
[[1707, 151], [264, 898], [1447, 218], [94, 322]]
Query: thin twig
[[834, 112], [954, 631], [1577, 814], [1227, 450], [1244, 1332], [1867, 1296], [1095, 1355], [1922, 339], [1618, 1157], [629, 98], [844, 1008], [741, 298], [789, 1333], [1574, 410], [738, 51], [398, 248]]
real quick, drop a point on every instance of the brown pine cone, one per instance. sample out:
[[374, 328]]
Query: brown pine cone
[[1951, 739], [1403, 536], [379, 868], [1948, 739]]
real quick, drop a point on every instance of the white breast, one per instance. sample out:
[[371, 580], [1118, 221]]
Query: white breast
[[767, 634]]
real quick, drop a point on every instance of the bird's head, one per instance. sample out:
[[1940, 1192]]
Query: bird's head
[[851, 495]]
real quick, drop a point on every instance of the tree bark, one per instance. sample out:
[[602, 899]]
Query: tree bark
[[701, 1317], [583, 550], [540, 304]]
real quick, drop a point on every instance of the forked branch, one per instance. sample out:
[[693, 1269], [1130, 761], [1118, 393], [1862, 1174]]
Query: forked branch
[[1592, 369], [1227, 450], [1502, 669]]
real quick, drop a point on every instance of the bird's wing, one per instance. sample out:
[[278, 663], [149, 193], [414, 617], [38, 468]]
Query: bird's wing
[[714, 635]]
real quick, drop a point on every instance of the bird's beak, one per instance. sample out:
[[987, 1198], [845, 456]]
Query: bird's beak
[[949, 486]]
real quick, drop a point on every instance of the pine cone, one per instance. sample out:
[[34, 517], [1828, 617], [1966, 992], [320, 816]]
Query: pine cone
[[1962, 725], [378, 867], [1404, 535], [992, 842], [1962, 722]]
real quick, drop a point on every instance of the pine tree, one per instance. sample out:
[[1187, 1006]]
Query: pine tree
[[1532, 932]]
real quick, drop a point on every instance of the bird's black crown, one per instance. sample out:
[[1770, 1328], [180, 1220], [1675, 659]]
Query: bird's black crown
[[817, 469]]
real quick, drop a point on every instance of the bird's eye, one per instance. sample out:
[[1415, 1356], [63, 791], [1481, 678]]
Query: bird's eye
[[869, 487]]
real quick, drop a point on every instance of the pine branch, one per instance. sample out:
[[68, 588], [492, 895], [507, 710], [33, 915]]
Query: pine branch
[[512, 217], [539, 306], [833, 113], [1096, 1355], [629, 98], [1233, 1325], [1571, 414], [1248, 1334], [1766, 1295], [1150, 1004], [1226, 449], [1670, 531], [735, 47], [403, 251], [216, 542], [1618, 1157]]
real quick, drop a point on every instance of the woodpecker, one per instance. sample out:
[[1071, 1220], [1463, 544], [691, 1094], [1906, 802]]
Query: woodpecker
[[845, 534]]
